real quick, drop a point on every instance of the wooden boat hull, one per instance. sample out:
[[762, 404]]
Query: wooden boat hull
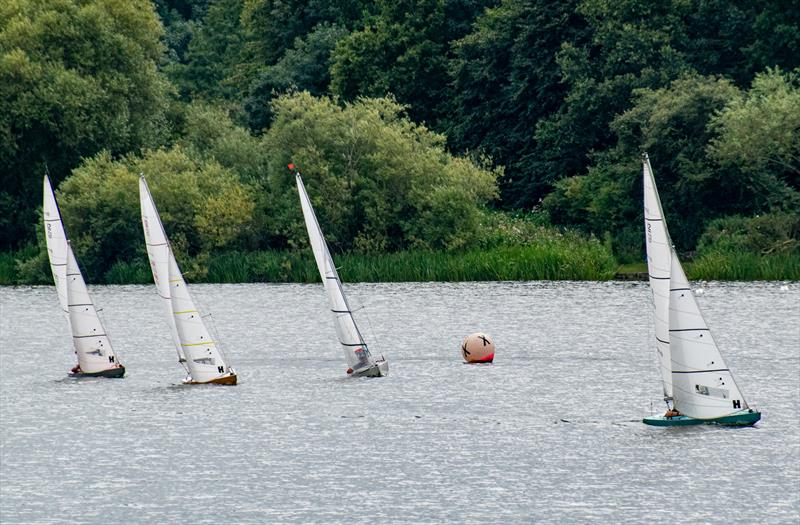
[[229, 379], [113, 373], [742, 418]]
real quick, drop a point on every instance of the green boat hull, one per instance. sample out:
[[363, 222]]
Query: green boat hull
[[111, 372], [743, 418]]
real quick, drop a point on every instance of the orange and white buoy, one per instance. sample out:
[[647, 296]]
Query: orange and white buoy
[[477, 348]]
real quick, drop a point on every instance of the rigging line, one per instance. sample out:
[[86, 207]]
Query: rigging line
[[371, 329]]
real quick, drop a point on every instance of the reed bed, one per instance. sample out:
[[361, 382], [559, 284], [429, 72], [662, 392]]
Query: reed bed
[[549, 261], [744, 266]]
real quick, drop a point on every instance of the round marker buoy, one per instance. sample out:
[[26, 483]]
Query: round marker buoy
[[477, 348]]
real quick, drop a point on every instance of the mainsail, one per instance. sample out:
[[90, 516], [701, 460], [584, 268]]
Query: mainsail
[[88, 334], [658, 269], [356, 351], [703, 387], [203, 358], [197, 350]]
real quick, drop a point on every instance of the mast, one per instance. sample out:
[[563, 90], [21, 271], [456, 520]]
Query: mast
[[659, 254], [349, 335], [159, 253]]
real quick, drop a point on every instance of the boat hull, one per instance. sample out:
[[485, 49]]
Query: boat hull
[[224, 380], [379, 369], [113, 373], [742, 418]]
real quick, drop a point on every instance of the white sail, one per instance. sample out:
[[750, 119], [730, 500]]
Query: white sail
[[160, 256], [658, 268], [197, 350], [92, 345], [56, 240], [703, 387], [203, 358], [355, 349]]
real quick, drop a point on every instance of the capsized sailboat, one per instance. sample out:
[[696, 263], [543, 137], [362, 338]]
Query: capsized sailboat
[[96, 357], [356, 351], [197, 351], [698, 386]]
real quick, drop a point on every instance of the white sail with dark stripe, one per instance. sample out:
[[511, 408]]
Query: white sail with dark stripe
[[658, 246], [703, 386], [92, 345], [89, 339], [356, 350], [698, 386]]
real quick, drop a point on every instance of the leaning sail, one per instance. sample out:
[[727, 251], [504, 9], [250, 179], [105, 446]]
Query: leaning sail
[[196, 349], [56, 240], [160, 256], [355, 349], [203, 358], [658, 269], [92, 345], [703, 387]]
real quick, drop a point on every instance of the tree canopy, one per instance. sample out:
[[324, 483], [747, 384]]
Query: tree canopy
[[408, 117]]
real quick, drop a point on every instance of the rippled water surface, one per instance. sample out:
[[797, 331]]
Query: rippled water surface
[[550, 433]]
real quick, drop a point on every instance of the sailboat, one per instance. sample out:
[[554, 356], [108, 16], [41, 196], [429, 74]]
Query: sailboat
[[698, 386], [96, 357], [197, 351], [356, 351]]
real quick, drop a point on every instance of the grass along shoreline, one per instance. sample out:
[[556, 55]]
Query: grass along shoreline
[[549, 260]]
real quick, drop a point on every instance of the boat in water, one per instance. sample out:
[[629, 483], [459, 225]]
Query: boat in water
[[198, 352], [96, 357], [356, 351], [698, 386]]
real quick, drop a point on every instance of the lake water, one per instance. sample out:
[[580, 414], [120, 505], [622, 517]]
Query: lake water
[[550, 433]]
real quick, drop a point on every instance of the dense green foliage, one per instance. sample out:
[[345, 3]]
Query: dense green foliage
[[76, 77], [408, 119]]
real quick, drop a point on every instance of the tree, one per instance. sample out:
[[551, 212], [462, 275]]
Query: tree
[[671, 125], [304, 67], [76, 77], [377, 181], [404, 50], [758, 134], [213, 54], [506, 78], [204, 207]]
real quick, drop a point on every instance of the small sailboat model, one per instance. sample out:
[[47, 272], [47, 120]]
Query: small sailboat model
[[356, 351], [698, 386], [96, 357], [197, 351]]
